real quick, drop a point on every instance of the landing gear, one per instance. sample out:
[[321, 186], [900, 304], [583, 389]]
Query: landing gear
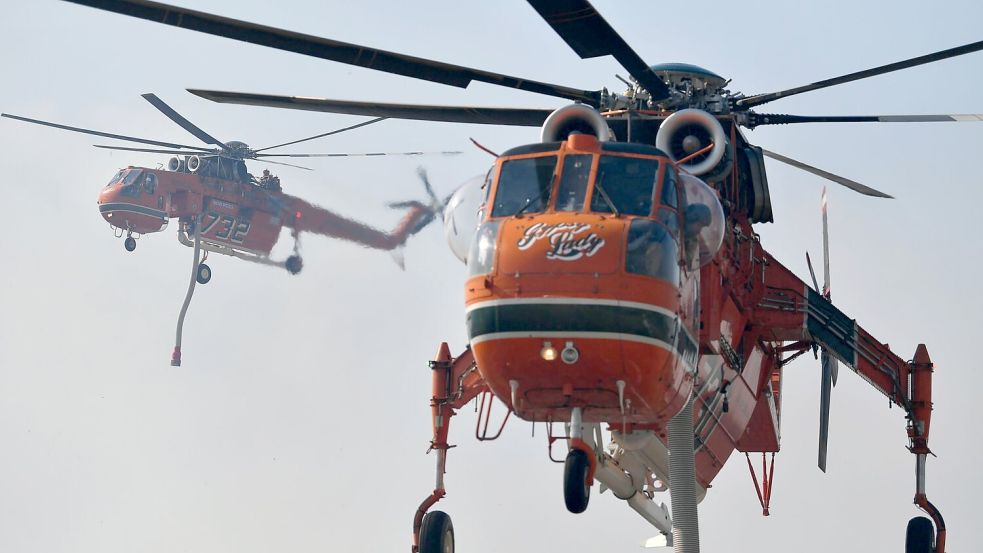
[[576, 492], [204, 274], [130, 243], [920, 535], [437, 533], [294, 264]]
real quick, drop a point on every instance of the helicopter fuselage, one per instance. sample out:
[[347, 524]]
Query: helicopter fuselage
[[241, 216]]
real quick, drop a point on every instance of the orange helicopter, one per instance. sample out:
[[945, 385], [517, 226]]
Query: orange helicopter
[[616, 280], [222, 208]]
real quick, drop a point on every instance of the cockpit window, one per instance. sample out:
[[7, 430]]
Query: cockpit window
[[524, 186], [115, 178], [573, 183], [627, 182], [652, 251], [131, 184], [131, 176]]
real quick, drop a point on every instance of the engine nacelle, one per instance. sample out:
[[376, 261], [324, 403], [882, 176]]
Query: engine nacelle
[[690, 130], [574, 118], [175, 164], [462, 214], [193, 163]]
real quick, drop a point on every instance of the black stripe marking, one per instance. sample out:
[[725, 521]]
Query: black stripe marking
[[133, 208], [571, 318]]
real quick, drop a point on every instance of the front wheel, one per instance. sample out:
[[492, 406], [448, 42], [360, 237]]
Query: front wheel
[[437, 533], [130, 243], [576, 492], [294, 264], [920, 535], [204, 274]]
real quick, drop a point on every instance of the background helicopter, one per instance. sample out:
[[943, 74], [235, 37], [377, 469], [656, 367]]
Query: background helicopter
[[222, 208], [237, 213], [796, 195]]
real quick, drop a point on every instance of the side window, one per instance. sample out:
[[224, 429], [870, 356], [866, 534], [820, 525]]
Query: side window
[[573, 183], [669, 195], [150, 183], [652, 251], [670, 219], [627, 183], [524, 186], [482, 251]]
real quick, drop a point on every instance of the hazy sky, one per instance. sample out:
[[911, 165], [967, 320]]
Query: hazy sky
[[300, 418]]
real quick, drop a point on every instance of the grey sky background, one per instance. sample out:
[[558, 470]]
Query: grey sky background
[[300, 418]]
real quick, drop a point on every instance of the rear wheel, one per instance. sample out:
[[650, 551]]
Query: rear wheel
[[204, 274], [919, 536], [437, 533], [576, 492]]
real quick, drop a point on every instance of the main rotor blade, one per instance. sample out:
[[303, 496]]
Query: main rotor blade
[[451, 114], [334, 50], [758, 119], [367, 154], [151, 150], [104, 134], [590, 36], [851, 184], [759, 99], [282, 163], [180, 120], [336, 131]]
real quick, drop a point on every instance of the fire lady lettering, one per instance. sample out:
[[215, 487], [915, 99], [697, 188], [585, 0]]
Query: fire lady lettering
[[565, 240]]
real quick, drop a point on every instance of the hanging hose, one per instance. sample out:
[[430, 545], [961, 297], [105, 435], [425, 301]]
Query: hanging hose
[[682, 482], [176, 356]]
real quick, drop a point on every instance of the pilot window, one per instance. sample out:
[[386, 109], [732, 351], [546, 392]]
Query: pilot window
[[573, 183], [625, 184], [524, 186]]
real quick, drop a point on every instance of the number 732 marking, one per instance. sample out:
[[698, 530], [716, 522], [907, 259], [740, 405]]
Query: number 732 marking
[[231, 228]]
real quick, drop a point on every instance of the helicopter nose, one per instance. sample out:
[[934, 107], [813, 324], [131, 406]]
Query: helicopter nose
[[126, 208]]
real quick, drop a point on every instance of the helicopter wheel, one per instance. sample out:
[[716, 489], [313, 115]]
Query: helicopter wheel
[[576, 492], [920, 535], [130, 243], [204, 274], [294, 264], [437, 533]]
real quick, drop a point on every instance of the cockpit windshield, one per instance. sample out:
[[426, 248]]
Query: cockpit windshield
[[131, 176], [524, 186], [626, 184], [115, 178]]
